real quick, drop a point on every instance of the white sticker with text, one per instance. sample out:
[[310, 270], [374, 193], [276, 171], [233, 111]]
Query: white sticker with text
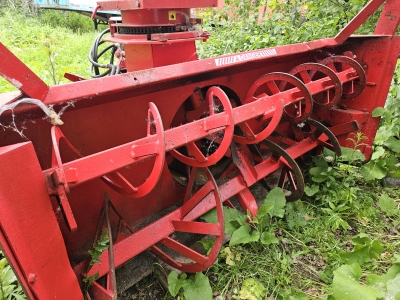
[[227, 60]]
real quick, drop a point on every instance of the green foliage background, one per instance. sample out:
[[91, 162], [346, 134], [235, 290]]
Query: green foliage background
[[32, 37], [237, 28]]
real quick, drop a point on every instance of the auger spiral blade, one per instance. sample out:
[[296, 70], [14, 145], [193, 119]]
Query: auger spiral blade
[[212, 148], [194, 261]]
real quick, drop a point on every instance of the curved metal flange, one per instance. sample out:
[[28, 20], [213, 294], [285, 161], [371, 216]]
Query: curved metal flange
[[153, 146], [59, 177], [197, 158], [357, 79], [297, 109], [291, 175], [322, 129], [192, 202], [331, 85], [249, 136]]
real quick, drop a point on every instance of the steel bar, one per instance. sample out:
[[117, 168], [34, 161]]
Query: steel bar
[[358, 20], [111, 160], [390, 18], [20, 76]]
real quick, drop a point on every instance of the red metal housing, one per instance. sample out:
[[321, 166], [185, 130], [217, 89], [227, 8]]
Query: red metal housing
[[137, 153]]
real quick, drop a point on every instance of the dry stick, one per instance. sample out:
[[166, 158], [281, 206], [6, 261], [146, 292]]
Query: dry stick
[[49, 111]]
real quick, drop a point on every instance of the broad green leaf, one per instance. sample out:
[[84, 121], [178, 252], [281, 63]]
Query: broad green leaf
[[376, 248], [361, 240], [295, 296], [268, 238], [231, 214], [252, 290], [262, 222], [397, 257], [364, 250], [387, 205], [211, 216], [383, 134], [319, 174], [320, 160], [393, 288], [350, 154], [207, 244], [199, 289], [392, 165], [393, 171], [393, 144], [311, 190], [378, 152], [264, 209], [276, 197], [233, 218], [174, 283], [243, 236], [346, 285], [235, 224], [375, 169], [359, 256], [378, 112], [376, 281]]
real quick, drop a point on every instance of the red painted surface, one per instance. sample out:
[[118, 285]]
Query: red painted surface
[[20, 76], [30, 227], [133, 136], [155, 4]]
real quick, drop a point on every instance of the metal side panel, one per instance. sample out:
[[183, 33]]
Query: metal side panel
[[31, 232]]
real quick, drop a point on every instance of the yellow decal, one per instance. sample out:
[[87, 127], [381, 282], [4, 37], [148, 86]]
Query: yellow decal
[[172, 15]]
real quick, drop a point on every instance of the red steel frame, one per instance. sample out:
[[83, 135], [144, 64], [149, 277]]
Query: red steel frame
[[121, 129]]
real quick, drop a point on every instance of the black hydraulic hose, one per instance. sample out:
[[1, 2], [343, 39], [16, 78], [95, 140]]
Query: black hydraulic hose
[[94, 57]]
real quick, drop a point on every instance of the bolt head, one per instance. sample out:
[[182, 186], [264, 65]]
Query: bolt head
[[32, 278]]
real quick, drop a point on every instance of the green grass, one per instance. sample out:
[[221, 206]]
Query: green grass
[[303, 262], [29, 38]]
